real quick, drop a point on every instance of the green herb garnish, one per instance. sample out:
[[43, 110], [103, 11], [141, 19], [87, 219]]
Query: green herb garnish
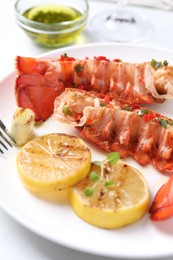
[[142, 112], [79, 68], [165, 63], [89, 191], [109, 183], [66, 111], [111, 158], [158, 64], [94, 176], [102, 104], [170, 121], [163, 123]]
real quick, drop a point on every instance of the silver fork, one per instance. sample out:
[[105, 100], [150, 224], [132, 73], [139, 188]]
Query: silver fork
[[5, 138]]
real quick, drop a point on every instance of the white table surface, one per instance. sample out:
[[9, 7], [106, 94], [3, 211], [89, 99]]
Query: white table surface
[[16, 242]]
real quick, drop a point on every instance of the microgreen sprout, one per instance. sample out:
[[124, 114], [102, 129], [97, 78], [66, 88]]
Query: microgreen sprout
[[111, 158], [109, 183], [89, 191], [94, 176]]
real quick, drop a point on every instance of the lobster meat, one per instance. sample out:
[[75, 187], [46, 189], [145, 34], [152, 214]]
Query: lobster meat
[[118, 126], [126, 128], [96, 104], [162, 206], [41, 80]]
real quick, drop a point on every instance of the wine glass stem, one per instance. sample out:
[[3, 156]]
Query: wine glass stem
[[121, 4]]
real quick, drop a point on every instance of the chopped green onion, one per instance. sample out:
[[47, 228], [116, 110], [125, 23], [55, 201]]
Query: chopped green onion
[[102, 104], [170, 121], [163, 123], [66, 111], [94, 176], [142, 112], [79, 68], [156, 64], [165, 63]]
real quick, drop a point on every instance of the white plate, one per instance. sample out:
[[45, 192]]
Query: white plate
[[56, 221]]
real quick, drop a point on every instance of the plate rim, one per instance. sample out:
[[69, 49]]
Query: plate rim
[[20, 220]]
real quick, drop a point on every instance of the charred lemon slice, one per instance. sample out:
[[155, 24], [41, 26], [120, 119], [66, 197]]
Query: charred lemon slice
[[117, 198], [53, 162]]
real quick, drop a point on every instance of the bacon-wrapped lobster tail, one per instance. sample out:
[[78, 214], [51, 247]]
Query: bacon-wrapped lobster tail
[[40, 80]]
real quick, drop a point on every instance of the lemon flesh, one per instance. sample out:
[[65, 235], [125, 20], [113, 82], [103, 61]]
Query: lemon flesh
[[53, 162], [114, 206]]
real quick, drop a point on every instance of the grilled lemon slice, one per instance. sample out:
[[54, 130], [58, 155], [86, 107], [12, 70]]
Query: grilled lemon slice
[[53, 162], [118, 198]]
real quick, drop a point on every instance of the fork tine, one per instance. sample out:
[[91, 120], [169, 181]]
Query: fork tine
[[5, 139], [1, 151], [3, 145], [4, 128]]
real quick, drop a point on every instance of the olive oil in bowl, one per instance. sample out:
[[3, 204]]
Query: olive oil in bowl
[[53, 25], [50, 14]]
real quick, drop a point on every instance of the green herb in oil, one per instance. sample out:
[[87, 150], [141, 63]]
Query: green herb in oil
[[52, 14]]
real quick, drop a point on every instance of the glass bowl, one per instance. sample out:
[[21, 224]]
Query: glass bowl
[[53, 23]]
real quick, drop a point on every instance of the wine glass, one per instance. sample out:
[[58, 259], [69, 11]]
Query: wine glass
[[168, 3], [121, 24]]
